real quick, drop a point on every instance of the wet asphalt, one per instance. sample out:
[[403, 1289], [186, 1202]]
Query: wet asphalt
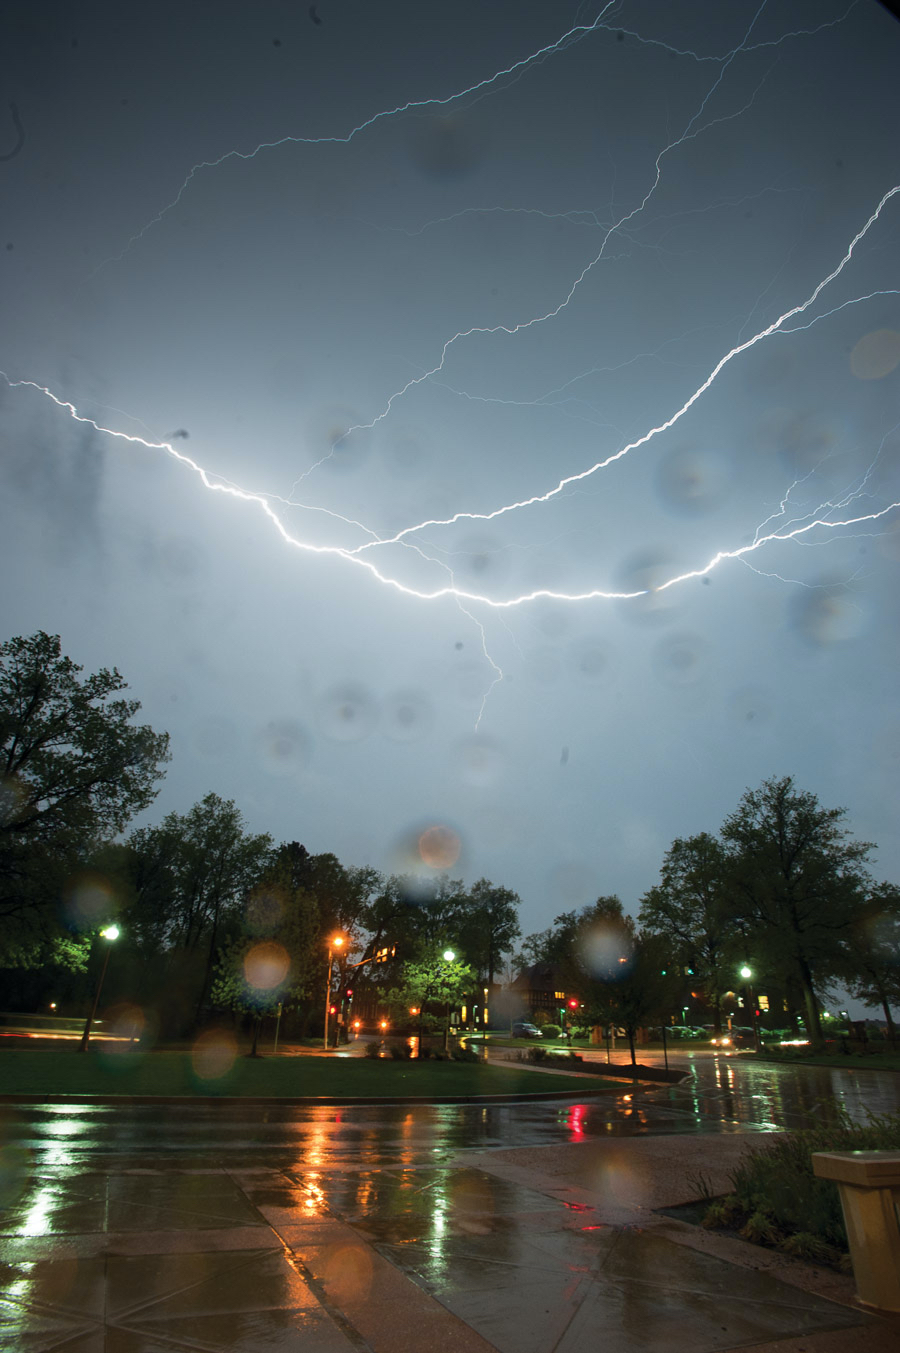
[[136, 1228], [720, 1094]]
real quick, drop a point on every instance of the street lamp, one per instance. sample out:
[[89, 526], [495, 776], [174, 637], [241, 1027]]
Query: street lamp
[[336, 942], [747, 975], [110, 934], [449, 956]]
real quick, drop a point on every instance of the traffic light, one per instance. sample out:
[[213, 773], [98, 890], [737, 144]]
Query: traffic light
[[573, 1002], [349, 993], [332, 1009]]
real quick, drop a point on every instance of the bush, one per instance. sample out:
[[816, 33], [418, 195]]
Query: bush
[[401, 1052], [465, 1055], [777, 1199], [373, 1050], [551, 1031]]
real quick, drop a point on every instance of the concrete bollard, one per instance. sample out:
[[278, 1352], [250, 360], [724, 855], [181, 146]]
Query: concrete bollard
[[869, 1185]]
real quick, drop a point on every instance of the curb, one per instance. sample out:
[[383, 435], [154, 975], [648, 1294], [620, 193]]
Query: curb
[[301, 1101]]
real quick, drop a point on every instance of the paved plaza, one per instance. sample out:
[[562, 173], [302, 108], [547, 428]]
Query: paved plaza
[[525, 1228]]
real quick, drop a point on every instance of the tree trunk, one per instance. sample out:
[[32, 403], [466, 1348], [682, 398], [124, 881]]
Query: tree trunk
[[717, 1016], [256, 1023], [631, 1045], [887, 1015], [811, 1005], [210, 959]]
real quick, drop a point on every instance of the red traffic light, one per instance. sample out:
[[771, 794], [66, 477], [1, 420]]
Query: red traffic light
[[349, 993], [573, 1002], [332, 1009]]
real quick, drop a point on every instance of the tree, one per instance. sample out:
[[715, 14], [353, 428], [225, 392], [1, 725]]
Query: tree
[[798, 882], [270, 964], [487, 925], [74, 770], [191, 875], [433, 980], [343, 893], [415, 916], [621, 975], [690, 910], [873, 952], [535, 948]]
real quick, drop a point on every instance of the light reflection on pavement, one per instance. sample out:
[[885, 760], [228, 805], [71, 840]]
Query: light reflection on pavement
[[139, 1227], [721, 1094]]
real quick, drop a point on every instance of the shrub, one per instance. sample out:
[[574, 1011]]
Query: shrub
[[804, 1245], [778, 1200], [401, 1052], [373, 1050], [465, 1055], [551, 1031], [760, 1227], [723, 1212]]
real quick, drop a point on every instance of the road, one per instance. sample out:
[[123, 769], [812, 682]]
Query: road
[[722, 1094]]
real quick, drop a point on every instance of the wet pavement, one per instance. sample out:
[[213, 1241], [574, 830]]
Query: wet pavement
[[524, 1228]]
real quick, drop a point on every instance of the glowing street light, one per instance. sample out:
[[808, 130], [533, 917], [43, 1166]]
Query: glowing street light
[[747, 974], [336, 942], [110, 934], [449, 956]]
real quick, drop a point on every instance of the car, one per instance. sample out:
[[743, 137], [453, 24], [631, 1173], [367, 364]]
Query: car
[[523, 1029]]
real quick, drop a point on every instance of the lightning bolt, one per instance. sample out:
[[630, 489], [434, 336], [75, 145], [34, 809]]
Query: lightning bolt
[[821, 521], [854, 511], [736, 351], [692, 130], [474, 91], [503, 78]]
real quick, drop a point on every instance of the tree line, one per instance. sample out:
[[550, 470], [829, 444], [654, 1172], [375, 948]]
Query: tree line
[[783, 892], [212, 914], [216, 916]]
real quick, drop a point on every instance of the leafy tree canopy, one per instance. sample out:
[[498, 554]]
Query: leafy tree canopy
[[74, 769], [798, 882], [487, 925], [691, 910], [872, 951]]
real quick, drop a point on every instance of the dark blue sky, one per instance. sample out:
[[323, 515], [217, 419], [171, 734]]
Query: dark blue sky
[[602, 226]]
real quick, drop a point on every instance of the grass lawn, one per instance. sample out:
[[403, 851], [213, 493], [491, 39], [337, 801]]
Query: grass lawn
[[41, 1072]]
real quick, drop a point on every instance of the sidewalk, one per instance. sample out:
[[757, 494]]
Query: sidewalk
[[718, 1291], [524, 1251]]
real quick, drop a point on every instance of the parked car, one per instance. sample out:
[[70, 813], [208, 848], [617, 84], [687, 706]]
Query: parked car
[[523, 1029]]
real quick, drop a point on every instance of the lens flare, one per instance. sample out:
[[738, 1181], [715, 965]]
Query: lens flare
[[348, 1274], [124, 1026], [606, 950], [439, 847], [88, 900], [876, 355], [266, 965], [213, 1054]]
